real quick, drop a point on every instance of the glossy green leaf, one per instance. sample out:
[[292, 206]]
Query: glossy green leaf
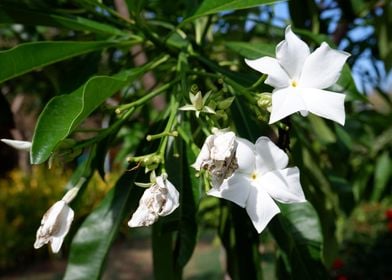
[[30, 56], [10, 14], [208, 7], [92, 241], [64, 113], [297, 231], [187, 227]]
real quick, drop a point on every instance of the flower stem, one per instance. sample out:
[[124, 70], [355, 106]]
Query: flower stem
[[168, 129]]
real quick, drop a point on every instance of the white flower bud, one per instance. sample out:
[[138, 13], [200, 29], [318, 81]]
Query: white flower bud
[[161, 199], [54, 227], [17, 144]]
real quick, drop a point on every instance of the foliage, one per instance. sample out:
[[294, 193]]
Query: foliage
[[132, 64]]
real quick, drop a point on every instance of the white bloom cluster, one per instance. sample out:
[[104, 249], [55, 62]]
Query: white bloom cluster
[[260, 175]]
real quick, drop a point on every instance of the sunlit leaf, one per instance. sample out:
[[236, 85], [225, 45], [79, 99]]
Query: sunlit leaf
[[208, 7], [64, 113]]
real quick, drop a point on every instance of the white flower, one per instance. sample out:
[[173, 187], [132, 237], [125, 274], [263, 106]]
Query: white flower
[[300, 77], [261, 178], [17, 144], [218, 156], [55, 225], [161, 199]]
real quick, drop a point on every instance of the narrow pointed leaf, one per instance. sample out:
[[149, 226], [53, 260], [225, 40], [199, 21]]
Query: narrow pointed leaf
[[30, 56], [208, 7], [11, 14]]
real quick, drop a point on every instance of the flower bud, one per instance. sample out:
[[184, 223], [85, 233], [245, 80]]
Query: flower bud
[[265, 101], [54, 227], [161, 199]]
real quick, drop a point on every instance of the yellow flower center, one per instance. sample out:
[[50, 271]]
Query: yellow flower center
[[253, 176], [294, 83]]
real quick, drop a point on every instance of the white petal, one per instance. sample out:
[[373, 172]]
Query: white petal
[[283, 185], [64, 221], [236, 189], [286, 102], [17, 144], [326, 104], [277, 76], [172, 197], [269, 156], [261, 208], [322, 68], [292, 53], [142, 217], [55, 244], [55, 225], [245, 156], [204, 154], [224, 145]]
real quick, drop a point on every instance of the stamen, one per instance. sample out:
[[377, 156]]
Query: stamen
[[253, 176], [294, 83]]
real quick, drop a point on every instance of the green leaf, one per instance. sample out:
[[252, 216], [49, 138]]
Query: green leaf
[[92, 241], [179, 167], [11, 15], [30, 56], [208, 7], [297, 231], [64, 113], [252, 50], [381, 175]]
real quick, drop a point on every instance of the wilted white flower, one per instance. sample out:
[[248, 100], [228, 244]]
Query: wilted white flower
[[161, 199], [261, 178], [218, 156], [17, 144], [55, 225], [300, 77]]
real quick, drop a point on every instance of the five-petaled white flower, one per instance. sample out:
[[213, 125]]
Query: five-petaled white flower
[[161, 199], [261, 178], [300, 77], [55, 225], [218, 156]]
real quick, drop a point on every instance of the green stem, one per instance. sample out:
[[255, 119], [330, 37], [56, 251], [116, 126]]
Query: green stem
[[105, 132], [170, 123], [145, 98]]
